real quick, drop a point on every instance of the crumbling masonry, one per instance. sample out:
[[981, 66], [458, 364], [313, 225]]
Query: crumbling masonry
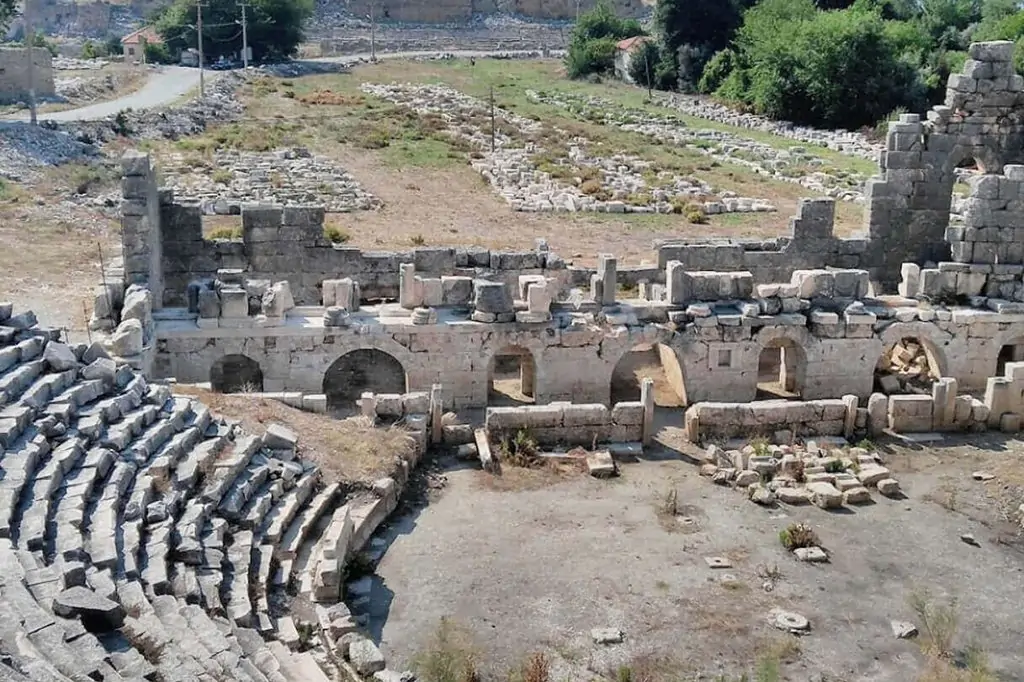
[[282, 309]]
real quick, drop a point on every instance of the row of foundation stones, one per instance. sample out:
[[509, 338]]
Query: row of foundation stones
[[624, 183], [721, 146], [796, 475]]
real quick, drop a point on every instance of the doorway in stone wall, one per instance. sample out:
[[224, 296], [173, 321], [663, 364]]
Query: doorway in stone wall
[[654, 361], [781, 370], [511, 377], [360, 371], [236, 374], [1010, 352]]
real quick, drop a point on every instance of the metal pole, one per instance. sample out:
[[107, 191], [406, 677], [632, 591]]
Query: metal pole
[[199, 39], [30, 42], [245, 39], [492, 118], [647, 67]]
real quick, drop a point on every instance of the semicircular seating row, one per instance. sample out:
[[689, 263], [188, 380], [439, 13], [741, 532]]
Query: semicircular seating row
[[140, 536]]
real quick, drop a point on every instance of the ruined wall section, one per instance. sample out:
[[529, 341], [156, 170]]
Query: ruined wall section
[[908, 208], [812, 244], [14, 73], [287, 243]]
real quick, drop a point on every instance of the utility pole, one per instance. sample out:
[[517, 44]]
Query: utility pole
[[492, 118], [30, 42], [199, 39], [577, 11], [373, 32], [245, 39]]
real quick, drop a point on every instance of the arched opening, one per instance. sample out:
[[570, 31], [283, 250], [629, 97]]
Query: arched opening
[[1010, 352], [359, 371], [781, 369], [236, 374], [966, 169], [911, 365], [654, 361], [511, 377]]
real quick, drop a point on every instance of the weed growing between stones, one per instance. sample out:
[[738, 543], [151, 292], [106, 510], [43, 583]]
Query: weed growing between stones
[[519, 451], [938, 623], [449, 657], [797, 535], [336, 235]]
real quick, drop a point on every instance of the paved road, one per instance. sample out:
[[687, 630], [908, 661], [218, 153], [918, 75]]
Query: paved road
[[167, 83]]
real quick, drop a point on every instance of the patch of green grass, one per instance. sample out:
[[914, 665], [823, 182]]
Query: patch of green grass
[[426, 153]]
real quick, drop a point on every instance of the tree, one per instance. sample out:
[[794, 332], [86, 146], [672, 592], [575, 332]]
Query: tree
[[89, 50], [7, 11], [592, 44], [691, 31], [649, 67], [155, 53], [113, 46], [274, 26], [836, 68]]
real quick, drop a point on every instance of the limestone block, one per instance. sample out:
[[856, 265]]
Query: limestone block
[[209, 304], [390, 405], [138, 304], [432, 291], [585, 415], [542, 416], [126, 341], [417, 402], [851, 283], [910, 413], [234, 303], [814, 283], [878, 410], [679, 283], [277, 300], [628, 413], [607, 267], [366, 658], [992, 51], [871, 474], [491, 297], [525, 281], [825, 495], [538, 298], [409, 294], [456, 291]]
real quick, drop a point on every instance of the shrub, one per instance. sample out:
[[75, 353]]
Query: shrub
[[835, 466], [537, 668], [797, 535], [222, 176], [449, 657], [695, 215], [336, 235], [591, 187], [520, 451], [592, 44], [418, 240], [591, 57], [717, 70], [937, 622]]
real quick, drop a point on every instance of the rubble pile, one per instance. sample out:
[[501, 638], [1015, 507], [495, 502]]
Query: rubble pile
[[905, 369], [801, 474]]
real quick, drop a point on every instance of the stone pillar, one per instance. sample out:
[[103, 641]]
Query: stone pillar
[[141, 243], [944, 396], [436, 414], [878, 410], [997, 399], [408, 296], [850, 421], [368, 405], [679, 284], [607, 271], [527, 375], [647, 398], [787, 369]]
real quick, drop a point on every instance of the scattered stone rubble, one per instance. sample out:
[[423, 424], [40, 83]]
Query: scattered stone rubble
[[284, 176], [625, 184], [72, 64], [844, 141], [787, 165], [905, 368], [795, 475]]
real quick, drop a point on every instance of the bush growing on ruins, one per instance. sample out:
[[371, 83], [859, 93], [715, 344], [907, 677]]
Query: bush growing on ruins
[[835, 466], [449, 657], [222, 176], [520, 451], [336, 235], [797, 535]]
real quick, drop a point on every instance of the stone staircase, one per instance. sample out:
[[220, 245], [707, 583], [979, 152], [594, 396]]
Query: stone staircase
[[141, 537]]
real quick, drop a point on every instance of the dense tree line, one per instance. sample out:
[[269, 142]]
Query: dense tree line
[[840, 63]]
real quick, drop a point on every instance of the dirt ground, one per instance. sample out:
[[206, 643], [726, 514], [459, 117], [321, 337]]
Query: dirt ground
[[535, 569]]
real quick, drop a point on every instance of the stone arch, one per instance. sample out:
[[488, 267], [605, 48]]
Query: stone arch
[[656, 361], [1011, 350], [927, 334], [781, 368], [512, 376], [359, 371], [909, 360], [236, 374]]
